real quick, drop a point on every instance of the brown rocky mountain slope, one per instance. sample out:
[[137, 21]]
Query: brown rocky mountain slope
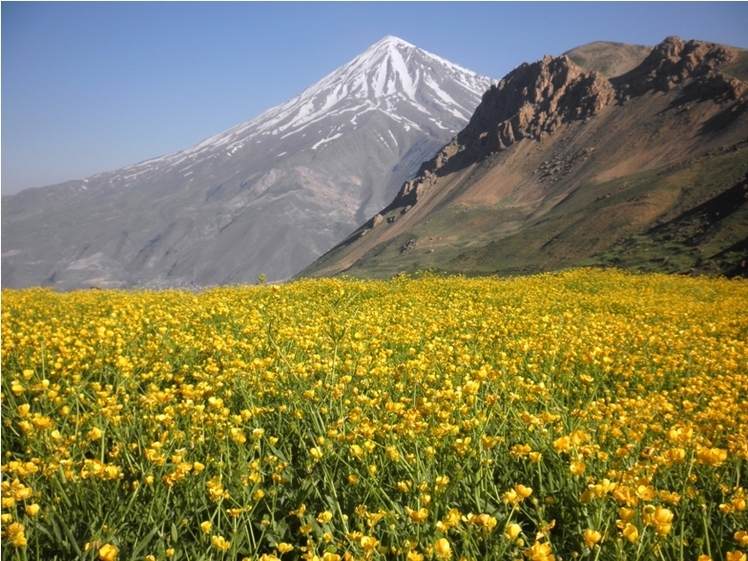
[[561, 166]]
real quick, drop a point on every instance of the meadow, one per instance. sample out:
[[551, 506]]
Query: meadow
[[588, 414]]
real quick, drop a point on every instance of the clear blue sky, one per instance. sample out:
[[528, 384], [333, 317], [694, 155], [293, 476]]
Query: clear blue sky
[[90, 87]]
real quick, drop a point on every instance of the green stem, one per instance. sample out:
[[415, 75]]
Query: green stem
[[706, 532], [605, 532], [683, 494], [641, 543], [540, 478]]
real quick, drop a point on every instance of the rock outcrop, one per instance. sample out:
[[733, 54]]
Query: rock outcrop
[[531, 101], [669, 64], [536, 99]]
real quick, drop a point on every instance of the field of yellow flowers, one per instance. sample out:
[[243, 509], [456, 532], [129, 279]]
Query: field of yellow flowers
[[580, 415]]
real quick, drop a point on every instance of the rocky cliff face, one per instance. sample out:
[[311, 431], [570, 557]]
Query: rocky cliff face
[[560, 166], [536, 99], [670, 63], [532, 101]]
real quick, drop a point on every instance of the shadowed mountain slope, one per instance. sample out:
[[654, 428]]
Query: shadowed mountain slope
[[560, 166]]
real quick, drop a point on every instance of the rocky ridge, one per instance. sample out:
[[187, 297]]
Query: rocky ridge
[[536, 99], [532, 101], [670, 63], [559, 164]]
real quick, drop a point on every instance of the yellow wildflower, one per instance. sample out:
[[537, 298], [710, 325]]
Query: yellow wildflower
[[108, 552], [741, 536], [220, 543], [417, 516], [442, 548], [15, 533], [283, 547], [324, 517], [540, 552], [630, 532], [512, 531], [369, 543], [591, 537]]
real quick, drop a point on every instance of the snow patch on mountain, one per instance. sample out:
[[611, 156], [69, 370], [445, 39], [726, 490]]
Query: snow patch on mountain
[[326, 140]]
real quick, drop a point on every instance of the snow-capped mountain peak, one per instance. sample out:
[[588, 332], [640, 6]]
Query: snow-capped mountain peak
[[266, 196], [388, 72], [392, 77]]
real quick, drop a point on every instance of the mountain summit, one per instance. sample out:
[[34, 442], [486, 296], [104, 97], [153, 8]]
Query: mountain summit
[[393, 77], [267, 196]]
